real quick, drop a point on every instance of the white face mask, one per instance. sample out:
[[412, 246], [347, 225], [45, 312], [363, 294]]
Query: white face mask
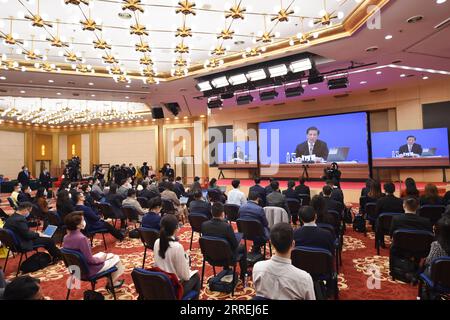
[[45, 193], [70, 196], [83, 225]]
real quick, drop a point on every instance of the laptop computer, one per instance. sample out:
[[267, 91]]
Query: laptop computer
[[428, 152], [338, 154], [184, 200], [205, 194], [49, 231]]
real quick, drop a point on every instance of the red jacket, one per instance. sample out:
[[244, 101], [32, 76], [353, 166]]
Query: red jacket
[[174, 279]]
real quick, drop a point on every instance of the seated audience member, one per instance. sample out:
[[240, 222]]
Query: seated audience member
[[115, 200], [23, 288], [74, 188], [64, 204], [93, 221], [86, 190], [148, 191], [320, 208], [336, 192], [218, 227], [213, 184], [152, 219], [251, 210], [15, 193], [131, 201], [179, 187], [310, 235], [290, 193], [440, 247], [26, 238], [366, 189], [269, 189], [195, 185], [123, 189], [331, 204], [389, 203], [410, 220], [276, 198], [169, 255], [411, 189], [97, 188], [259, 190], [99, 262], [169, 194], [302, 188], [198, 205], [25, 195], [374, 192], [41, 200], [277, 278], [431, 196], [236, 196]]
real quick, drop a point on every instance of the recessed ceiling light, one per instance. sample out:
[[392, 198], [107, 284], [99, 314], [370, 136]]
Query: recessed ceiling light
[[202, 116], [314, 88], [91, 83], [22, 91], [167, 118], [92, 95], [2, 78], [127, 86], [425, 78], [127, 97], [440, 1], [379, 72], [363, 82], [58, 93], [185, 117], [402, 75], [51, 81], [388, 37], [124, 15]]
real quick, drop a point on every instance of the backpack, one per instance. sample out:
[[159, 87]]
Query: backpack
[[36, 262], [348, 218], [134, 234], [359, 224], [403, 269], [223, 281]]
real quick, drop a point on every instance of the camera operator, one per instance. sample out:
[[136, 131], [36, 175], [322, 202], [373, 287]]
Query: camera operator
[[333, 174]]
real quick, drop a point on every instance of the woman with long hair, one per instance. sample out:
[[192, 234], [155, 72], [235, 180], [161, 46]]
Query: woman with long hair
[[64, 205], [431, 196], [411, 189], [170, 255], [440, 247], [374, 192]]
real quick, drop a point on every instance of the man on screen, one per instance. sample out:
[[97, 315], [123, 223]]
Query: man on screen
[[312, 145], [411, 146], [238, 154]]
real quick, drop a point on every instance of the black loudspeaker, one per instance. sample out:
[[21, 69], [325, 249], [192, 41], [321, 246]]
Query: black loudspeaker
[[173, 107], [157, 113]]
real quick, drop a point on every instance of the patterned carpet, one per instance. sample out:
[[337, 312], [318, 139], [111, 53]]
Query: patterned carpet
[[357, 276]]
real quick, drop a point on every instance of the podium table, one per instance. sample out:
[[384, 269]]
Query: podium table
[[238, 165]]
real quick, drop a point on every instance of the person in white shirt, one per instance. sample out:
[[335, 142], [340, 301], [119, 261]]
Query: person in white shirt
[[277, 278], [170, 256], [236, 196]]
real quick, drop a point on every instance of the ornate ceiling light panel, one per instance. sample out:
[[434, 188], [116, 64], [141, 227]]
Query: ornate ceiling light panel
[[185, 7]]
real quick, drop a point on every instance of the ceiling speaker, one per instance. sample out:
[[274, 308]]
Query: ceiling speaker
[[158, 113], [173, 107]]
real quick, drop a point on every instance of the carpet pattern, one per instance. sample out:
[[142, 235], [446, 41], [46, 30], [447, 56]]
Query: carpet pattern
[[364, 275]]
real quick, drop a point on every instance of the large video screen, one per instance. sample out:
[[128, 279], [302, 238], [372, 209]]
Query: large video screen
[[337, 138], [245, 151], [429, 146]]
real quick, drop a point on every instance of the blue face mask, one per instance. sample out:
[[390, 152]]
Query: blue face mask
[[27, 215]]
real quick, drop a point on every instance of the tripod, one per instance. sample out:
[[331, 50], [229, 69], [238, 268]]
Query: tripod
[[305, 174]]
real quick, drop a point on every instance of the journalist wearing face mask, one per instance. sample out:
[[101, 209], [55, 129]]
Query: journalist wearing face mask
[[26, 238], [99, 262]]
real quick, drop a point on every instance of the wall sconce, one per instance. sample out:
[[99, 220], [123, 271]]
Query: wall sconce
[[43, 150], [74, 151]]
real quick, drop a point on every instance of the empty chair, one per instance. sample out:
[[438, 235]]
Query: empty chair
[[217, 252], [383, 226], [437, 283], [107, 212], [75, 258], [432, 212], [231, 211], [337, 243], [371, 213], [305, 199], [275, 215], [196, 220], [294, 206], [318, 263], [362, 204], [148, 238], [153, 285], [252, 230]]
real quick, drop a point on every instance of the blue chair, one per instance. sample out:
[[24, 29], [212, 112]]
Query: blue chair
[[148, 238], [217, 252], [91, 234], [152, 285], [196, 220], [371, 213], [383, 227], [431, 212], [337, 243], [438, 282], [76, 258], [10, 241], [231, 211], [131, 214], [252, 230], [107, 211], [294, 207], [318, 263]]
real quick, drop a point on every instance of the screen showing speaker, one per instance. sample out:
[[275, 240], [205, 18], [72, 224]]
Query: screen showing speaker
[[336, 138], [241, 151]]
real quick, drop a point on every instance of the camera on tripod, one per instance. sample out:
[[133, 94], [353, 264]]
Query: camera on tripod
[[332, 173]]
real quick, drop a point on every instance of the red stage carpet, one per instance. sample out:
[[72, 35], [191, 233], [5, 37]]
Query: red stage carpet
[[359, 261]]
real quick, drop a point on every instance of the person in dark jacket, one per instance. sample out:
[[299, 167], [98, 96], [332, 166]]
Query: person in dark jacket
[[24, 176], [410, 220], [310, 235], [302, 188], [330, 203], [115, 200], [260, 191], [45, 179], [26, 238], [152, 219], [276, 198], [431, 196], [290, 193], [179, 188], [148, 192], [64, 204], [25, 194], [389, 203], [200, 206], [218, 227]]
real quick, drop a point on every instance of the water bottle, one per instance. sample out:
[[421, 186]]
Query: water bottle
[[294, 158], [397, 154], [393, 154], [288, 157]]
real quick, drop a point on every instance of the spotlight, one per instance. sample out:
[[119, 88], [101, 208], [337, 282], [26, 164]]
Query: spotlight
[[203, 86], [268, 95], [245, 99], [339, 83], [278, 71], [294, 91], [314, 75], [215, 103], [220, 82], [227, 95], [237, 79], [300, 65], [256, 75]]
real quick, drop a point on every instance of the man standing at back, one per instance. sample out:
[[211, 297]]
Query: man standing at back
[[277, 278], [24, 176]]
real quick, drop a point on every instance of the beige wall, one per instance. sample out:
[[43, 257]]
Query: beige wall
[[12, 157], [85, 154], [128, 146]]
